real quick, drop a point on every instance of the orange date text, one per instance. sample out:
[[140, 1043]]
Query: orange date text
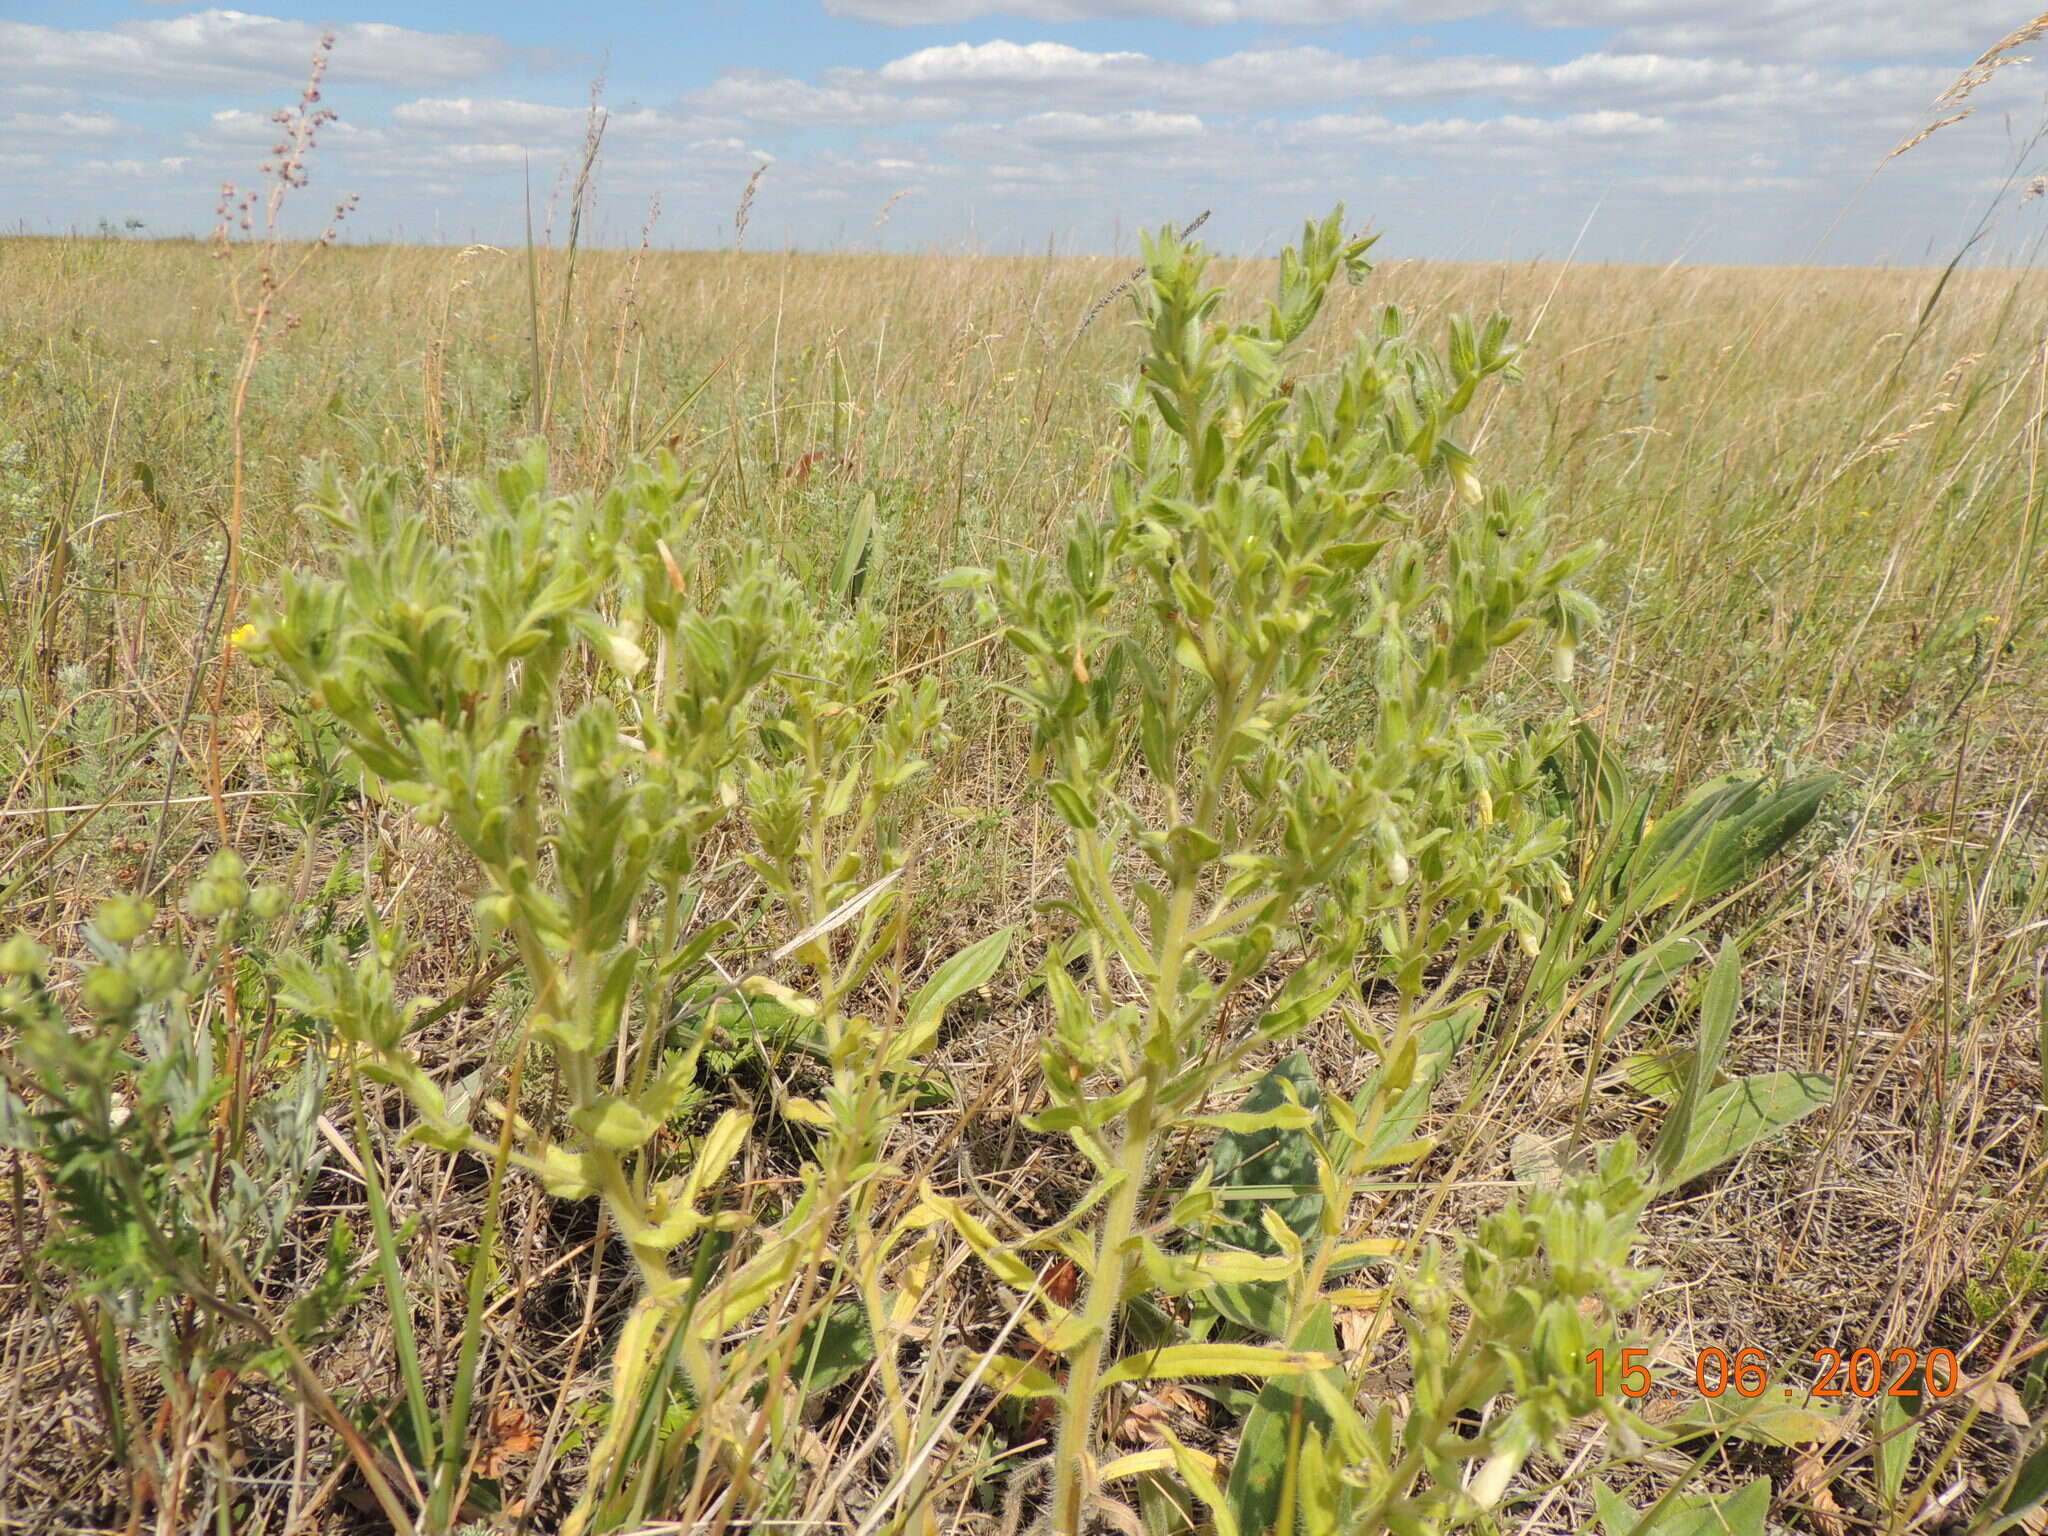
[[1749, 1373]]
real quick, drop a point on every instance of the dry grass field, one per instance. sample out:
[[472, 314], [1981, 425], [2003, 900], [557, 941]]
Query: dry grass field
[[239, 1290]]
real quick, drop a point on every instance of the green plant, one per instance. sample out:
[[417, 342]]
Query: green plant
[[1745, 1512], [1660, 880], [1712, 1122], [1243, 855], [175, 1177], [607, 754]]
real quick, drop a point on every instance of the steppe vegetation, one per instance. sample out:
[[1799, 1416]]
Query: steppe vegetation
[[714, 891]]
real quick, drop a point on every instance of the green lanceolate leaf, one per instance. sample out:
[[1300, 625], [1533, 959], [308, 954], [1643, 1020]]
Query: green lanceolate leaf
[[1178, 1362], [1732, 1119], [1269, 1448], [1646, 976], [1269, 1166], [1891, 1450], [2028, 1492], [1658, 1074], [1717, 1023], [1436, 1044], [1740, 846], [959, 975], [834, 1346], [1721, 835], [850, 574], [1745, 1512], [1760, 1422]]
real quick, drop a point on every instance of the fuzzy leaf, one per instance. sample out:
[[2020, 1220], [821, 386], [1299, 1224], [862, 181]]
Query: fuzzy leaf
[[1761, 1423], [1177, 1361], [834, 1345], [1742, 1513], [1286, 1410], [1269, 1164], [959, 975], [1733, 1119]]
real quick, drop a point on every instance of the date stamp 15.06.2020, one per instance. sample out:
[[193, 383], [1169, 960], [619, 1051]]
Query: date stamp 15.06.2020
[[1748, 1373]]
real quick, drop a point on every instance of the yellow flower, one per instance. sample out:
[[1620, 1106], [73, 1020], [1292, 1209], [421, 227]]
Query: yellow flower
[[243, 638]]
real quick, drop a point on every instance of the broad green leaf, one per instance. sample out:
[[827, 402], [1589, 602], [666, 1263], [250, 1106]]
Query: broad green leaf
[[1760, 1421], [1666, 862], [1745, 1512], [1270, 1444], [1722, 834], [1248, 1122], [834, 1345], [1177, 1361], [1891, 1452], [1646, 976], [715, 1153], [1233, 1266], [1657, 1074], [1740, 846], [1436, 1043], [2029, 1492], [1073, 810], [615, 1124], [850, 574], [1008, 1376], [1735, 1118], [1273, 1167], [959, 975], [1717, 1023], [1258, 1306]]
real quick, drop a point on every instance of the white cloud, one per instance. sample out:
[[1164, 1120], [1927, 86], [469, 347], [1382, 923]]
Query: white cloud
[[234, 125], [219, 49], [1770, 29], [728, 148], [1086, 128], [169, 164], [1203, 13], [1003, 75], [1723, 186], [1788, 29], [487, 154], [760, 97], [1005, 63], [1450, 132], [530, 119], [60, 127]]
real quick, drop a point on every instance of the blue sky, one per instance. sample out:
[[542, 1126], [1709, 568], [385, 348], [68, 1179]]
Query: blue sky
[[1707, 130]]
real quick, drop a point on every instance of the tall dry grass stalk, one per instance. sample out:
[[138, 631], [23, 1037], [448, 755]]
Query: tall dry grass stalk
[[746, 206], [276, 269], [1987, 64], [1124, 287]]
